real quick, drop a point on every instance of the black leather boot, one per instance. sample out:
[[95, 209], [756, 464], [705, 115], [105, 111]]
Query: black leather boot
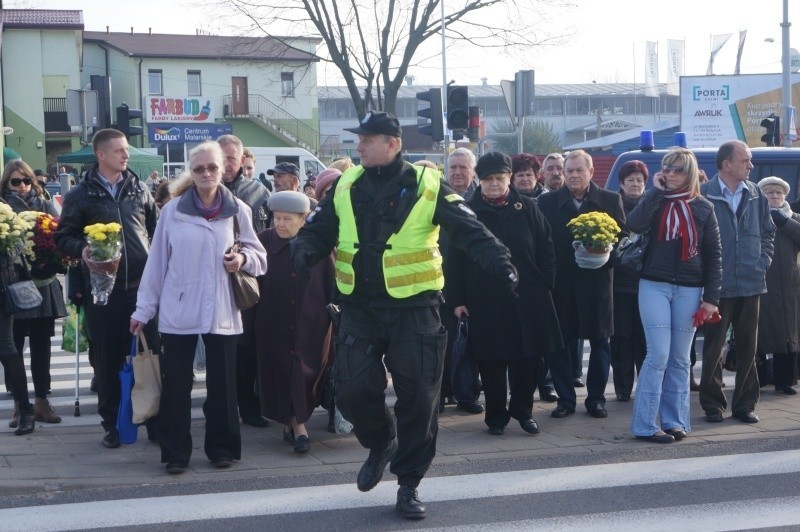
[[26, 420], [408, 504], [372, 470]]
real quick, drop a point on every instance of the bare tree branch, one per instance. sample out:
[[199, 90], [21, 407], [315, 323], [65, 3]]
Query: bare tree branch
[[373, 43]]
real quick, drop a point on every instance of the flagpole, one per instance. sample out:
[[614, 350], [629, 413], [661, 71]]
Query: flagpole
[[787, 78], [634, 82]]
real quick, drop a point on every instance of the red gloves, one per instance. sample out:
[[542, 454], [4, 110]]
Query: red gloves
[[701, 317]]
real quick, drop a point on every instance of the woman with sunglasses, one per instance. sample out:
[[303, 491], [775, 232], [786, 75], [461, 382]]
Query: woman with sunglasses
[[186, 281], [22, 191], [682, 271]]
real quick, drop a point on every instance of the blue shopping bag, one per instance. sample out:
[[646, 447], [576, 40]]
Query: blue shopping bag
[[125, 426]]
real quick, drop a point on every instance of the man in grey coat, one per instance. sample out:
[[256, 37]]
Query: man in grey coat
[[747, 233]]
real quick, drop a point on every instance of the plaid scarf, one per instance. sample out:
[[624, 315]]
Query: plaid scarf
[[677, 222]]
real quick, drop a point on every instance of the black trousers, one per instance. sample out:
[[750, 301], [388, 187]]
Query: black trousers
[[522, 375], [784, 369], [222, 439], [628, 344], [39, 330], [413, 341], [247, 373], [109, 327], [742, 314], [13, 364]]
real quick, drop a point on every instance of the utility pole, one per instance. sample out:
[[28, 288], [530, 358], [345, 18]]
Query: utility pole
[[788, 115]]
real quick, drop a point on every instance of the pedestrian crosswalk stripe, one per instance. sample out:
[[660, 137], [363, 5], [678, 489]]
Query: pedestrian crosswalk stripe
[[186, 508]]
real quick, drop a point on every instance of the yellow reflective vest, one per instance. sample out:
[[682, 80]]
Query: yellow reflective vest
[[412, 262]]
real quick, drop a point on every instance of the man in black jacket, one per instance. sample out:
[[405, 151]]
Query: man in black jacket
[[255, 196], [384, 216], [583, 297], [111, 193]]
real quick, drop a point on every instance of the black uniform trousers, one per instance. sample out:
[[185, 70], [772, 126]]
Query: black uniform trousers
[[742, 314], [109, 327], [522, 375], [413, 340], [222, 440]]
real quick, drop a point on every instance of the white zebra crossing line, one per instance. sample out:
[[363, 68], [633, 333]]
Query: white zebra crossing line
[[227, 505]]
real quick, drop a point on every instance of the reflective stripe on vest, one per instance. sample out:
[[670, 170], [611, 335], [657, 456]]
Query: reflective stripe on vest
[[412, 262]]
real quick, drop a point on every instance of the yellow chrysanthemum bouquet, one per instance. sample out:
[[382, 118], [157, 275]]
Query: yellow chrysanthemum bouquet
[[40, 246], [13, 229], [102, 256], [595, 233]]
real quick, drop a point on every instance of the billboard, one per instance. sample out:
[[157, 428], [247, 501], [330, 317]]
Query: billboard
[[183, 133], [719, 108], [179, 109]]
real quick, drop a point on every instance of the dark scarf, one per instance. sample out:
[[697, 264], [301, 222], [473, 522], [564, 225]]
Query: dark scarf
[[677, 222], [501, 201], [628, 204], [207, 212]]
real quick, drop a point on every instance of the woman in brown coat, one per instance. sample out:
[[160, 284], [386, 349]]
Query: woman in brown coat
[[293, 332]]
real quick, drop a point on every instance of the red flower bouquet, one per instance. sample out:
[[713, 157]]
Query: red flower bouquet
[[40, 246]]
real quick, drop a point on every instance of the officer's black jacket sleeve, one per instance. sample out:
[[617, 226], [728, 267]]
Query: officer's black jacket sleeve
[[469, 235], [320, 233]]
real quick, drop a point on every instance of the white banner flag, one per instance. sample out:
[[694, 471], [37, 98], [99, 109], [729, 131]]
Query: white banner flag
[[651, 70], [717, 42], [675, 66]]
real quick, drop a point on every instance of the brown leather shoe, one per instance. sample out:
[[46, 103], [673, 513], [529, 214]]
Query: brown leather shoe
[[43, 411]]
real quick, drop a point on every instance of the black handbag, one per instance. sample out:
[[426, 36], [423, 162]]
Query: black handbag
[[632, 250], [245, 287], [21, 295]]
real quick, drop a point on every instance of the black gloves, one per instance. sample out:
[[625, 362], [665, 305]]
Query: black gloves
[[301, 260], [512, 281], [778, 217]]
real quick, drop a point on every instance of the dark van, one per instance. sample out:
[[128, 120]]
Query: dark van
[[780, 162]]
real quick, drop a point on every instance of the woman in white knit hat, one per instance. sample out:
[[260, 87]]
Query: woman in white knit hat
[[780, 309]]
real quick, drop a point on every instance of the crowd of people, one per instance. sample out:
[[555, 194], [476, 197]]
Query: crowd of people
[[382, 266]]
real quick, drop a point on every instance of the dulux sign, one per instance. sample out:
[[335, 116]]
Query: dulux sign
[[182, 133]]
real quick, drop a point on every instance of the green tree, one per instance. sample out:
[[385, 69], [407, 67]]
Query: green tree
[[538, 137], [374, 42]]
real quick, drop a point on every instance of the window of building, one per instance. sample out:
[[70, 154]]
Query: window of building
[[193, 78], [287, 84], [154, 81]]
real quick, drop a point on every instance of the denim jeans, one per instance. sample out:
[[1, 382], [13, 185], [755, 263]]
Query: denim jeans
[[662, 390]]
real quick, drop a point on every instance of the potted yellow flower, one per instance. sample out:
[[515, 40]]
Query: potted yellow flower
[[102, 256], [595, 233]]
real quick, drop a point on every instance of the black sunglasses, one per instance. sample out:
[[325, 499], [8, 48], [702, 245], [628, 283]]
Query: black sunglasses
[[15, 181]]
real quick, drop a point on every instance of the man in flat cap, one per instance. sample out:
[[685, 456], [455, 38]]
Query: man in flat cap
[[384, 217], [286, 176]]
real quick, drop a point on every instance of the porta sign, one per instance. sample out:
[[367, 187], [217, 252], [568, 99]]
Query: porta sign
[[163, 109]]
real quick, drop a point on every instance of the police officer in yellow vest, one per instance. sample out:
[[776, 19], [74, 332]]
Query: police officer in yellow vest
[[384, 216]]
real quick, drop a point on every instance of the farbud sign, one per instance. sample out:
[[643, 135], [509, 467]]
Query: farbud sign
[[180, 110]]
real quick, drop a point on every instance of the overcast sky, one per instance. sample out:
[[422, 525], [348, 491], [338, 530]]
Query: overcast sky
[[607, 43]]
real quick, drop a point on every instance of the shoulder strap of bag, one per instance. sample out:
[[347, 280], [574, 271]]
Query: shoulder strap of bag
[[236, 230]]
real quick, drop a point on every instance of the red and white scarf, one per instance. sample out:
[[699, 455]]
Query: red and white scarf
[[677, 222]]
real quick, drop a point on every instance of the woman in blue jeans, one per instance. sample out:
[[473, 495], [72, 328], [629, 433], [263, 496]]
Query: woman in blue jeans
[[681, 275]]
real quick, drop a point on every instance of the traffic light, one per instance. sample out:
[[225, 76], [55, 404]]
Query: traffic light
[[433, 129], [474, 130], [457, 107], [772, 126], [124, 116]]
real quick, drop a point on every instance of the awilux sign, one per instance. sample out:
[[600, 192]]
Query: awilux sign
[[183, 133], [164, 109], [719, 108]]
